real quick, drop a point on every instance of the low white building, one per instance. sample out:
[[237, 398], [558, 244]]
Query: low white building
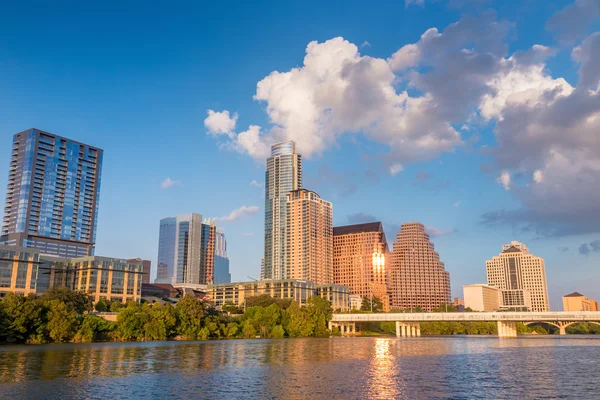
[[482, 297]]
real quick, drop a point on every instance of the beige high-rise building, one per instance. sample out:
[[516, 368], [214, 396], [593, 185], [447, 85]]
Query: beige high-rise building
[[578, 302], [360, 256], [515, 269], [309, 236], [417, 276]]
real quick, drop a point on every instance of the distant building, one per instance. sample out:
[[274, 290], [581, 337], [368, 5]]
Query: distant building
[[283, 175], [417, 276], [459, 304], [147, 267], [360, 258], [355, 302], [578, 302], [481, 297], [236, 293], [189, 250], [522, 275], [222, 274], [52, 195], [309, 237]]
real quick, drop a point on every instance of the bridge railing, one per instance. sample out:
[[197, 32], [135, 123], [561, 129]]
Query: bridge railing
[[471, 316]]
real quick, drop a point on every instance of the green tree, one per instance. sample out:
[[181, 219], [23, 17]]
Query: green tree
[[101, 306], [297, 322], [366, 304], [131, 322], [76, 301], [62, 321], [190, 312], [94, 328], [445, 308], [320, 311]]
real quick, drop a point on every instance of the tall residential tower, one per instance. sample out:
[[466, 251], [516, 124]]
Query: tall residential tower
[[283, 175], [309, 238], [52, 194]]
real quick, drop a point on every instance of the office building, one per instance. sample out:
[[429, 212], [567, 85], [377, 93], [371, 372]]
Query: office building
[[515, 300], [18, 270], [283, 175], [299, 291], [222, 274], [147, 266], [515, 269], [52, 194], [417, 276], [25, 271], [578, 302], [360, 257], [482, 297], [188, 250], [309, 237]]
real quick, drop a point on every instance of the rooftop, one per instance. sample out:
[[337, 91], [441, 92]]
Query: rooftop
[[574, 294], [357, 228]]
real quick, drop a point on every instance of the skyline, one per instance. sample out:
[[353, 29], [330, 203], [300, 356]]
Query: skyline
[[174, 161]]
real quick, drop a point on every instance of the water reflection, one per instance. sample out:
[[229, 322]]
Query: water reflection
[[374, 368]]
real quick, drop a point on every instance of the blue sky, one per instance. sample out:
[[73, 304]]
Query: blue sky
[[463, 116]]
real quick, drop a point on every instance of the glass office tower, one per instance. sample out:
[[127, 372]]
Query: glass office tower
[[284, 174], [52, 194], [222, 274]]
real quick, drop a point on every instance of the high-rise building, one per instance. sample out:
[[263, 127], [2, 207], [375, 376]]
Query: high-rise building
[[52, 195], [283, 175], [221, 274], [522, 275], [187, 250], [578, 302], [417, 276], [360, 255], [309, 237]]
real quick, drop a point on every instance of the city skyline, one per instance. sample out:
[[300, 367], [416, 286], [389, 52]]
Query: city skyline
[[147, 115]]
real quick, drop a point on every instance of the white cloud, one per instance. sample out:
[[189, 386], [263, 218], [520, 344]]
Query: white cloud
[[544, 127], [396, 168], [221, 123], [168, 182], [433, 231], [256, 184], [456, 204], [240, 213], [365, 44], [417, 2], [504, 180]]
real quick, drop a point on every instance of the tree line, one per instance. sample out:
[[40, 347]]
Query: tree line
[[61, 315]]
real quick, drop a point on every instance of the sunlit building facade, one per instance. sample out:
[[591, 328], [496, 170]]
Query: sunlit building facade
[[297, 290], [417, 276], [18, 270], [578, 302], [52, 195], [222, 274], [482, 297], [360, 257], [309, 237], [515, 269], [283, 175]]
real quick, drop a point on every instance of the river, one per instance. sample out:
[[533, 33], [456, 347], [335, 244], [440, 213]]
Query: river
[[349, 368]]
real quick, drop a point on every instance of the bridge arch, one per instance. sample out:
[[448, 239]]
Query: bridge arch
[[562, 326]]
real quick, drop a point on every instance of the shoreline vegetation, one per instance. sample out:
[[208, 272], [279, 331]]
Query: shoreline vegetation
[[62, 315]]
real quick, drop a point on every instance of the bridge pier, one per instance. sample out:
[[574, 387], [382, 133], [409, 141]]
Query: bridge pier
[[408, 329], [346, 328], [507, 329]]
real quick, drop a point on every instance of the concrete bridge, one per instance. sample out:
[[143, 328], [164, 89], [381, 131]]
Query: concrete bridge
[[407, 324]]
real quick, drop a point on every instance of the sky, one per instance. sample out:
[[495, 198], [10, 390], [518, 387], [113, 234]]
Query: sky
[[480, 119]]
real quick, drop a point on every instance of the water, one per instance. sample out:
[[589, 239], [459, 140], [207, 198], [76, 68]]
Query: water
[[350, 368]]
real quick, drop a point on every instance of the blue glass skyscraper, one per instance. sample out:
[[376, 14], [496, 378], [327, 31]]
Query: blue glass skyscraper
[[52, 194]]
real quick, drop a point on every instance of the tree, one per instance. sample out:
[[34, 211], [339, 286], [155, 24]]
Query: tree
[[366, 304], [93, 328], [445, 308], [189, 312], [320, 311], [297, 322], [101, 306], [62, 321], [76, 301], [131, 322]]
